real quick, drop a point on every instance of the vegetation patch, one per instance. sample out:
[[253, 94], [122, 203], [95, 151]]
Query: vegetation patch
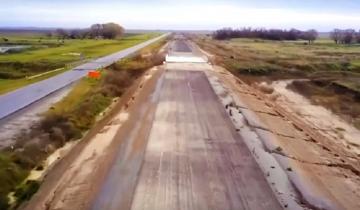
[[11, 175], [26, 190]]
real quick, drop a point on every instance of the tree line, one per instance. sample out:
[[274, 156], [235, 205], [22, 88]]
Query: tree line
[[347, 36], [96, 31], [270, 34]]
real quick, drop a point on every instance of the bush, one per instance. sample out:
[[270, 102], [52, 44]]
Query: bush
[[59, 126], [27, 190], [23, 161], [111, 90], [84, 116], [50, 121], [34, 151], [11, 174], [58, 136], [120, 79]]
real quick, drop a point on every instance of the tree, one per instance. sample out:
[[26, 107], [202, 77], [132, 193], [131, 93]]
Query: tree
[[357, 37], [226, 33], [75, 34], [348, 36], [336, 35], [272, 34], [107, 31], [96, 30], [61, 33], [294, 34], [112, 31], [310, 35]]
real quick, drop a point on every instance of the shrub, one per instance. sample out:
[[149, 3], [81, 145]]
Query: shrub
[[27, 190], [111, 90], [60, 123], [34, 151], [11, 174], [23, 161], [58, 136], [84, 116], [50, 121], [120, 79]]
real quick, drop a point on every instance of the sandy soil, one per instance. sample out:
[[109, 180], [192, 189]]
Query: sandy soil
[[320, 118]]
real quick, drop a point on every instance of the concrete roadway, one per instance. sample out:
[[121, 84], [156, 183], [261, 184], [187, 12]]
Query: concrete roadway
[[18, 99], [180, 46], [193, 159]]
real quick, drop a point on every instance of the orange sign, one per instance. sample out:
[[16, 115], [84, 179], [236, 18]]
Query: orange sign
[[94, 74]]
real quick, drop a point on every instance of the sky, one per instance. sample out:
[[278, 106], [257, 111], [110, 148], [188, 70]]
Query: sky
[[323, 15]]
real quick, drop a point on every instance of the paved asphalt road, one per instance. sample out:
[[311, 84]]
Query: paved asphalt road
[[25, 118], [193, 157], [18, 99]]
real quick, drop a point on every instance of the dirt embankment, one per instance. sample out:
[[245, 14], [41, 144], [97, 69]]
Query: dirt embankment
[[326, 173], [341, 100]]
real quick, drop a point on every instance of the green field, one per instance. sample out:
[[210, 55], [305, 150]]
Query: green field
[[263, 57], [47, 54]]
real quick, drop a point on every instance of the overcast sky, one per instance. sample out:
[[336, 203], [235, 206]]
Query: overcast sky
[[322, 15]]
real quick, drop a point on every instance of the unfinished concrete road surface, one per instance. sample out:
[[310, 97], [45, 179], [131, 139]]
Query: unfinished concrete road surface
[[194, 158], [172, 146]]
